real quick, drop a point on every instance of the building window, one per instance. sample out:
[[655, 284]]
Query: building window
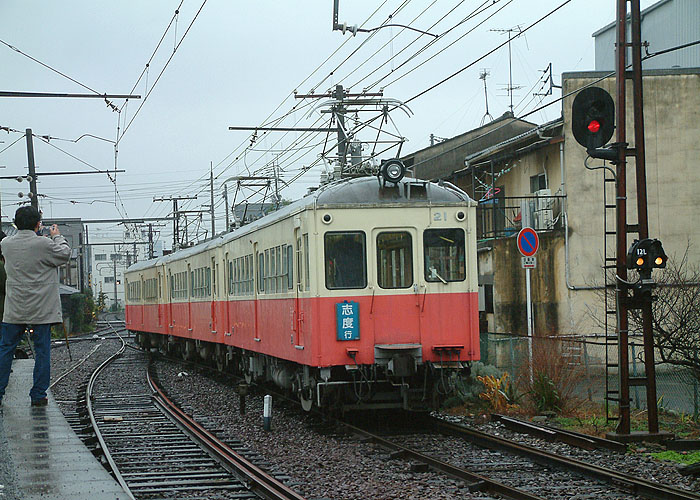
[[109, 279], [538, 182], [100, 256]]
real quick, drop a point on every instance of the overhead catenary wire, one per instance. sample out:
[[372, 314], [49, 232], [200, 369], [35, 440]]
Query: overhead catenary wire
[[150, 60], [51, 68], [281, 157], [167, 63], [482, 7]]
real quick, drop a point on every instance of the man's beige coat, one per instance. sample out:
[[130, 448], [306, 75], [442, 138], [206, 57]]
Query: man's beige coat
[[31, 262]]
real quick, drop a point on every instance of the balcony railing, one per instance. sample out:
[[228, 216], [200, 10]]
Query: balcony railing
[[503, 216]]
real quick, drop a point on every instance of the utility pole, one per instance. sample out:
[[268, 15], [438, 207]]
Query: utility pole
[[277, 191], [81, 262], [228, 227], [211, 196], [114, 264], [150, 241], [176, 216], [339, 113], [32, 169]]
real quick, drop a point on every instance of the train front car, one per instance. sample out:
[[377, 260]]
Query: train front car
[[395, 321]]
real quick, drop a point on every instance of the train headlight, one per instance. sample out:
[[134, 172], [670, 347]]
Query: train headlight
[[392, 170]]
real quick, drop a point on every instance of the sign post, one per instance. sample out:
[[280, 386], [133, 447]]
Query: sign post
[[528, 243]]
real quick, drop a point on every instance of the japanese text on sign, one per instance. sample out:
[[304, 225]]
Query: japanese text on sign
[[347, 320]]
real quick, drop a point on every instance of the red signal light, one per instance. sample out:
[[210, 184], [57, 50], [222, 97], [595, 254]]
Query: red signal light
[[594, 126]]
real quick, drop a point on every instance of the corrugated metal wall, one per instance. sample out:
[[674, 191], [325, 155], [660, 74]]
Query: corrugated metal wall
[[666, 24]]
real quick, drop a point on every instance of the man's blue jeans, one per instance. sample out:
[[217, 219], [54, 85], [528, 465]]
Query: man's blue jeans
[[10, 335]]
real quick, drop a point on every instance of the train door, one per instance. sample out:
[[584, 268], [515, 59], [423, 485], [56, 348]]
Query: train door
[[226, 291], [159, 300], [189, 278], [170, 285], [213, 293], [142, 299], [298, 314], [258, 290], [397, 291]]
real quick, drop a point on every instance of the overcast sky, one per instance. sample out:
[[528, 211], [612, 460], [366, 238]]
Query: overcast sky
[[238, 63]]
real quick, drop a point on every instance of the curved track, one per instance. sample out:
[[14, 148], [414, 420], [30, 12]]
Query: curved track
[[154, 449]]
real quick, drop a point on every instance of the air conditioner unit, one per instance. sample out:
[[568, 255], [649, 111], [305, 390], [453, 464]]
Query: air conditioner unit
[[544, 215], [544, 200], [544, 219]]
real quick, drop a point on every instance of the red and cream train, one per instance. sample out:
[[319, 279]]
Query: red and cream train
[[358, 294]]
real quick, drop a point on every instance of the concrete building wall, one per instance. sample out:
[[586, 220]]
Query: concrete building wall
[[672, 131]]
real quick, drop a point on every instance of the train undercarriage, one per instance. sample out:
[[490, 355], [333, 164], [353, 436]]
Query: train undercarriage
[[399, 379]]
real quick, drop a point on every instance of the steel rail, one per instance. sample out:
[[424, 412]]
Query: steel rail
[[550, 433], [475, 481], [255, 479], [93, 421], [633, 484]]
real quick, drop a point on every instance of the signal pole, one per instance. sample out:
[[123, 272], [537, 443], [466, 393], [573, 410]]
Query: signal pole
[[211, 196], [32, 169], [624, 301]]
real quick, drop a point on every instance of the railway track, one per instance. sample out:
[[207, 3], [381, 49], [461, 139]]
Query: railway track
[[624, 483], [154, 449], [499, 466]]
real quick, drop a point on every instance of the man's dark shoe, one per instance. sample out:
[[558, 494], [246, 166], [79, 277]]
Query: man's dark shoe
[[40, 402]]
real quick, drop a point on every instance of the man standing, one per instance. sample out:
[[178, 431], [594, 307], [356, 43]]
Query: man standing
[[31, 296]]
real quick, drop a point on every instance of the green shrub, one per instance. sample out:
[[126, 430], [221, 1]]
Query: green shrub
[[468, 389], [544, 394], [80, 307]]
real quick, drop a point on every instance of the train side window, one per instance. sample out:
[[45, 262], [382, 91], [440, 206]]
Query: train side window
[[230, 277], [249, 271], [290, 267], [281, 268], [208, 281], [444, 255], [394, 259], [261, 272], [299, 268], [213, 269], [307, 279], [246, 290], [345, 260]]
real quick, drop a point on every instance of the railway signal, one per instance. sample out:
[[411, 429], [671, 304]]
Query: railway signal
[[593, 121], [645, 255]]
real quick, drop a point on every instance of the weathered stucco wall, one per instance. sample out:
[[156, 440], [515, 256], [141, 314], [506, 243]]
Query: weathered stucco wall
[[672, 133], [510, 286]]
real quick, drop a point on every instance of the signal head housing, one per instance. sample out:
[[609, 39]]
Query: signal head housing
[[593, 117]]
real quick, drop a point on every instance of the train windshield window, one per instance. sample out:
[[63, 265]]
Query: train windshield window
[[346, 264], [444, 255], [394, 260]]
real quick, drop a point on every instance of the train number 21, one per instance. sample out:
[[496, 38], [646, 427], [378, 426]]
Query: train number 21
[[440, 216]]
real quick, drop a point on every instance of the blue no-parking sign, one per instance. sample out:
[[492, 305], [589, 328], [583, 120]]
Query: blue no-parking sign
[[528, 241]]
